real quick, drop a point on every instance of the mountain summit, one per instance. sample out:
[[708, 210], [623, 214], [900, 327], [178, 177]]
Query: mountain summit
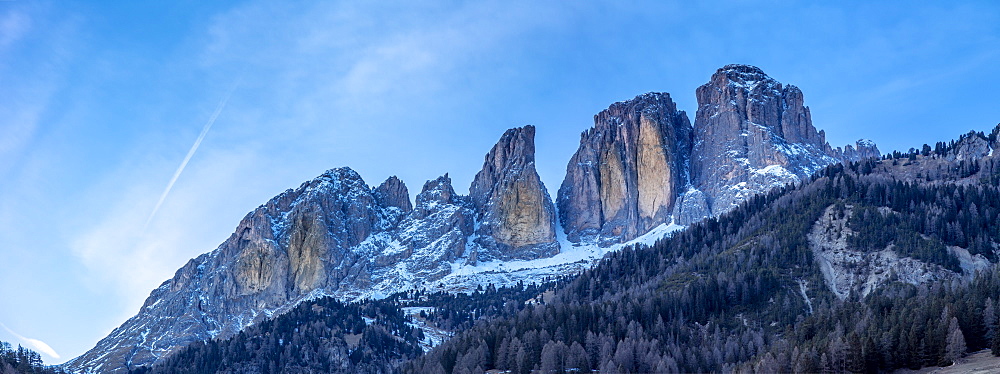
[[643, 164], [515, 213], [628, 172]]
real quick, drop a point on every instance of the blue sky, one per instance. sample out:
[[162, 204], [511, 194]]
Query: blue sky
[[101, 102]]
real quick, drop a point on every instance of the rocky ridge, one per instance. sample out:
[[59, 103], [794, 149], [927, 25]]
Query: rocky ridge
[[641, 172], [643, 164], [336, 236]]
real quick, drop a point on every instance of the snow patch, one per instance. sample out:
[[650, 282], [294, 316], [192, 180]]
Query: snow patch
[[803, 287]]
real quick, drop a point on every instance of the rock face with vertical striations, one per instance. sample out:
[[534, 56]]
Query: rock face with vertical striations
[[752, 134], [643, 164], [628, 172], [297, 243], [517, 220]]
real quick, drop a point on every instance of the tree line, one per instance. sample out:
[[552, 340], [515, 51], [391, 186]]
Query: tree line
[[727, 294]]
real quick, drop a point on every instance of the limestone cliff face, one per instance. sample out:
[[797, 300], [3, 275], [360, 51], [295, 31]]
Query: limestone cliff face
[[281, 250], [298, 242], [751, 133], [628, 172], [333, 235], [643, 164], [515, 213]]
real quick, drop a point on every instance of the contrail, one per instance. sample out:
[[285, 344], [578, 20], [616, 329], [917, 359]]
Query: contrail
[[34, 343], [194, 148]]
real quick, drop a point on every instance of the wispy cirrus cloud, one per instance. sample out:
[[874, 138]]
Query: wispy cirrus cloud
[[34, 344]]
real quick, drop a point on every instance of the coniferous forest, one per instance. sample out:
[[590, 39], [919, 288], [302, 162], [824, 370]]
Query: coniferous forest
[[727, 294], [328, 336]]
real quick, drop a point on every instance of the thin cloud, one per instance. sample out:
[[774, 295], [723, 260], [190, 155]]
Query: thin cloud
[[194, 148], [35, 344]]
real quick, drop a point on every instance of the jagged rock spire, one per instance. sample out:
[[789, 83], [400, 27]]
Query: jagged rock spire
[[515, 213]]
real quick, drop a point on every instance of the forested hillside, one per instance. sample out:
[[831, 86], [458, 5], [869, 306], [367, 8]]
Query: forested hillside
[[328, 336], [744, 291], [320, 336]]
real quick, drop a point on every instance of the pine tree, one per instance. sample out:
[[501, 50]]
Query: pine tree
[[989, 318], [955, 347]]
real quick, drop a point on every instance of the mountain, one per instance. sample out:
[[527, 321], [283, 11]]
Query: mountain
[[643, 164], [335, 235], [642, 171], [764, 130], [628, 172], [868, 266]]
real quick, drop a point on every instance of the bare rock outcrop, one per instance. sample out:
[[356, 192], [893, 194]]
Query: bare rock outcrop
[[516, 216], [436, 233], [751, 134], [644, 165], [393, 193], [628, 172], [971, 146], [861, 150]]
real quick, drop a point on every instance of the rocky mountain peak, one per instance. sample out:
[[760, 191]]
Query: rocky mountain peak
[[995, 136], [393, 193], [752, 134], [336, 178], [742, 75], [295, 244], [628, 171], [437, 190], [515, 213], [513, 152]]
